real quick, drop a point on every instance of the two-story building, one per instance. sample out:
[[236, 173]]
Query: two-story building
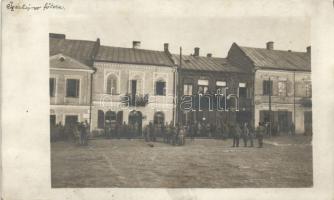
[[219, 91], [282, 86], [133, 85], [70, 79]]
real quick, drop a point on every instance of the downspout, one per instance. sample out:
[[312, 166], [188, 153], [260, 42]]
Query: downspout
[[177, 86], [91, 99], [253, 100], [95, 51], [294, 101]]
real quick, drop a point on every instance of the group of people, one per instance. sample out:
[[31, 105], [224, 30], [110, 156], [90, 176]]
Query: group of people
[[170, 133], [174, 135], [77, 132], [116, 130], [247, 133]]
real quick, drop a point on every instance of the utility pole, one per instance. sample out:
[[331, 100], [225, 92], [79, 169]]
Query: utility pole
[[177, 90]]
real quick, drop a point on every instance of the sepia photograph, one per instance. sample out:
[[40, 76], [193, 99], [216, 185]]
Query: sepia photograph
[[167, 100], [171, 102]]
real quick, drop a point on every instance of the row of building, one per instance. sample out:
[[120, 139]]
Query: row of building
[[101, 84]]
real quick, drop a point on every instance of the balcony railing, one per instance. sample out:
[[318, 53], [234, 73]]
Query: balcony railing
[[139, 100]]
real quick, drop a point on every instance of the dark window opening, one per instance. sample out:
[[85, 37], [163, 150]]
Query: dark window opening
[[160, 88], [52, 85], [72, 88], [242, 92]]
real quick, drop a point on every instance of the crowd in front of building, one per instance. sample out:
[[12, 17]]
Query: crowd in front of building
[[118, 92]]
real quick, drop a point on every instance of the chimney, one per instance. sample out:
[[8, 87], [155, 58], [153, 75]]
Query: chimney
[[196, 51], [289, 50], [57, 35], [308, 49], [166, 47], [270, 45], [136, 44], [209, 55]]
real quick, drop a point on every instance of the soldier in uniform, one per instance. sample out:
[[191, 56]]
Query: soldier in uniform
[[151, 131], [260, 131], [245, 133], [251, 135], [236, 134], [146, 133]]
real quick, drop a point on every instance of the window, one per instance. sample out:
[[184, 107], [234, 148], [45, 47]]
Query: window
[[267, 87], [112, 84], [282, 88], [308, 88], [220, 87], [52, 120], [52, 84], [72, 88], [242, 90], [203, 86], [160, 88], [187, 89]]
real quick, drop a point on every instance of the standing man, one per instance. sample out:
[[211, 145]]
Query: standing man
[[235, 129], [245, 133], [260, 131], [251, 135]]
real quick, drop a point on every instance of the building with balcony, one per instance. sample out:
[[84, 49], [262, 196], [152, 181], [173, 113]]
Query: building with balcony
[[282, 86], [132, 85]]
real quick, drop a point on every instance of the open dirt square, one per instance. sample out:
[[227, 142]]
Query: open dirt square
[[203, 163]]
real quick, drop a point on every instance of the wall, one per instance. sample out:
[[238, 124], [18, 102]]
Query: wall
[[125, 72], [232, 82], [60, 93], [290, 102], [60, 105]]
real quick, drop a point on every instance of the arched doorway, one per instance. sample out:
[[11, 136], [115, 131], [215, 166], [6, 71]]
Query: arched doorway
[[135, 122], [110, 123], [110, 116]]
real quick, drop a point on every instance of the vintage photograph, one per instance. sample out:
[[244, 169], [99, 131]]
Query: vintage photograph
[[169, 102]]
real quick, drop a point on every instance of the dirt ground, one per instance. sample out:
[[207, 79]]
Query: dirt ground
[[203, 163]]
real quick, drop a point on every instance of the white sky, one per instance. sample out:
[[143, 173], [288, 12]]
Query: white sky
[[212, 26]]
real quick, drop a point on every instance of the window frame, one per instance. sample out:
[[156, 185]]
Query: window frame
[[77, 91], [284, 94], [115, 89], [243, 85], [191, 86], [201, 84], [163, 89], [267, 89]]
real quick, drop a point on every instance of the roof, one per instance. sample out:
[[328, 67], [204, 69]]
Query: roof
[[81, 50], [61, 61], [278, 59], [202, 63], [133, 56]]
